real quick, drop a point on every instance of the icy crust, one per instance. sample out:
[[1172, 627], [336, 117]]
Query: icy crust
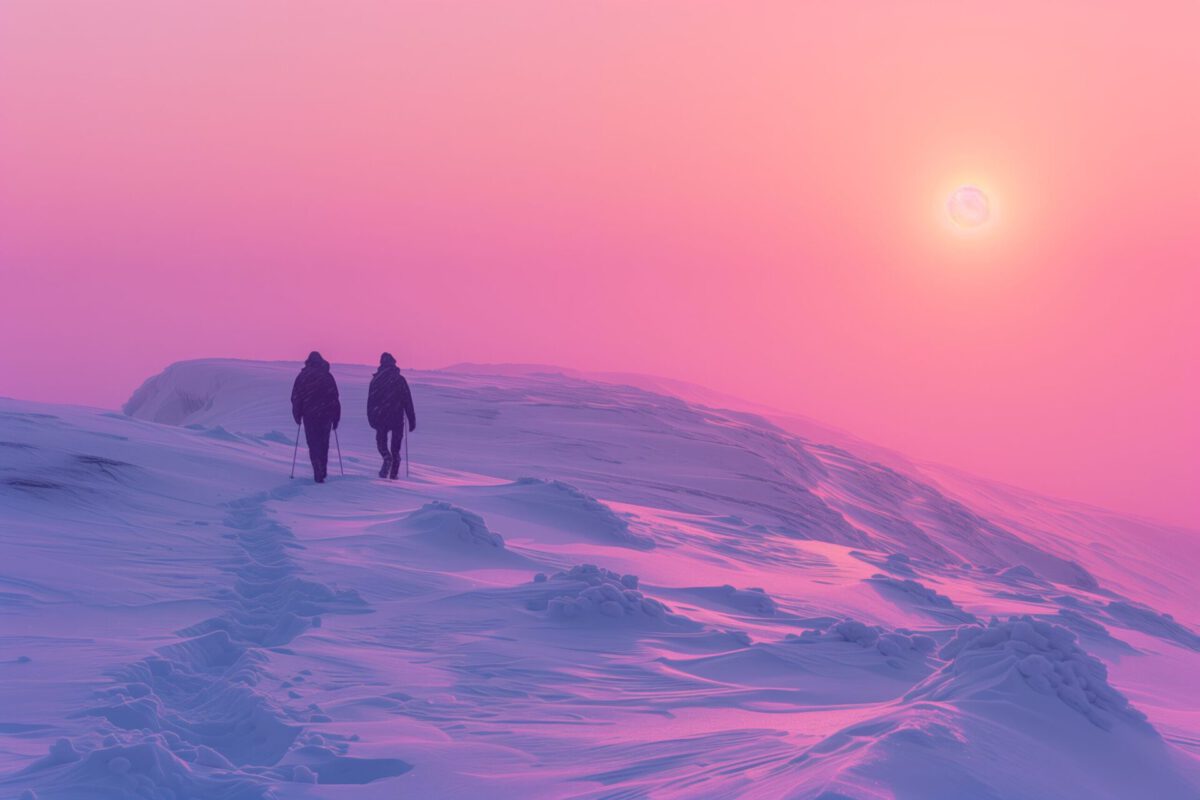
[[449, 523], [1004, 656], [588, 593], [898, 644]]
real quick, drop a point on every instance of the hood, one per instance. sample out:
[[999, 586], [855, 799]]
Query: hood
[[315, 361]]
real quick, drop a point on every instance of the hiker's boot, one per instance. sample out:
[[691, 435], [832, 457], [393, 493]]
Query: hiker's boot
[[386, 468], [395, 469]]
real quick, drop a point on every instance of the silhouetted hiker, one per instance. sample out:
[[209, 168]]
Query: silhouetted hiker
[[388, 401], [315, 401]]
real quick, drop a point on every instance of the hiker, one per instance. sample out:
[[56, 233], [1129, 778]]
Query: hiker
[[315, 402], [389, 400]]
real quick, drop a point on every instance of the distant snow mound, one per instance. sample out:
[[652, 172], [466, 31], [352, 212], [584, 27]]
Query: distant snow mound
[[1150, 622], [897, 644], [174, 395], [449, 523], [899, 563], [1020, 573], [895, 563], [920, 595], [1087, 628], [223, 398], [1011, 658], [588, 593], [572, 508], [215, 432], [751, 601]]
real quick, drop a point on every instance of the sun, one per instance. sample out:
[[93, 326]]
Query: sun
[[969, 207]]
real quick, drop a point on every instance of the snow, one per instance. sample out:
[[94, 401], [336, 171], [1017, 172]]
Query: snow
[[587, 588]]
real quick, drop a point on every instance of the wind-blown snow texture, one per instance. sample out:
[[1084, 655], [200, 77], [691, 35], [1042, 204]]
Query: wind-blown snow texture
[[586, 589]]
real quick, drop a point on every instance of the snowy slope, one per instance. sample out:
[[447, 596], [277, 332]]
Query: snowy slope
[[585, 589]]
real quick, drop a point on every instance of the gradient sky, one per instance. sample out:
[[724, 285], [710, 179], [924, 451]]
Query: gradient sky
[[748, 196]]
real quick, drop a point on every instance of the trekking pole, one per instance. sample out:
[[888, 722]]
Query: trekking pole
[[405, 423], [339, 447], [295, 451]]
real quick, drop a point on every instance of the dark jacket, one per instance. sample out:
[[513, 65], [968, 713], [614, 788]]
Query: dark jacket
[[389, 400], [315, 393]]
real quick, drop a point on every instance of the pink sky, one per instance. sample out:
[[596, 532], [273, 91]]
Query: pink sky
[[747, 196]]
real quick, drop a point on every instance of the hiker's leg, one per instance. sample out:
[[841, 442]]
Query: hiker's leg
[[381, 436], [397, 440], [311, 437], [317, 434]]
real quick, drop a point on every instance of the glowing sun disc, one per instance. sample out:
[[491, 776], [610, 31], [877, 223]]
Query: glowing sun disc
[[968, 207]]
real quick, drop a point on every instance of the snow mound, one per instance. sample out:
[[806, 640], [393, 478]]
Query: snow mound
[[1021, 574], [1008, 659], [751, 601], [450, 524], [173, 395], [1087, 628], [899, 563], [1148, 621], [920, 595], [568, 506], [588, 593], [896, 644]]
